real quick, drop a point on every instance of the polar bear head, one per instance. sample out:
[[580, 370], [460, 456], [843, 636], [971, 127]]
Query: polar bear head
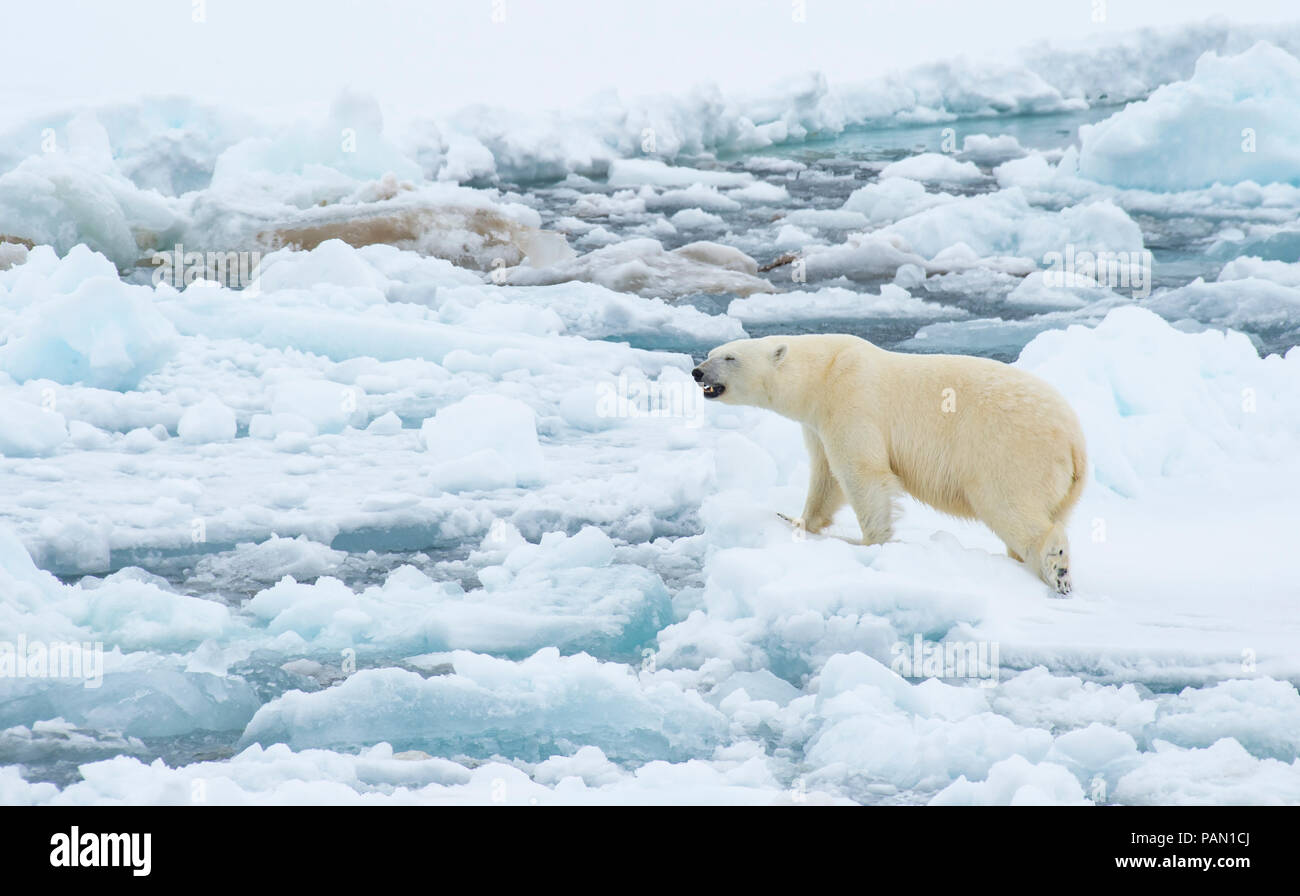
[[744, 371]]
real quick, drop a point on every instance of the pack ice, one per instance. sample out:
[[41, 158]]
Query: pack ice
[[431, 511]]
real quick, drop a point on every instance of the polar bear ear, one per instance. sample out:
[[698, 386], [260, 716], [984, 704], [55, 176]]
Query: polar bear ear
[[778, 354]]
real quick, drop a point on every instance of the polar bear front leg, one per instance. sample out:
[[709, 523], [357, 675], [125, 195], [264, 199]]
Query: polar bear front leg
[[871, 488], [825, 496], [872, 497]]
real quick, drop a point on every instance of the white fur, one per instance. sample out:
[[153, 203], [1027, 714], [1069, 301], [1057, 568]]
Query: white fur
[[969, 436]]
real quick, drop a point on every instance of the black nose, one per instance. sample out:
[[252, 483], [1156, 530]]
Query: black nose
[[698, 374]]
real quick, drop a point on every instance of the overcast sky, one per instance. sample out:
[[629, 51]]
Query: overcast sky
[[435, 56]]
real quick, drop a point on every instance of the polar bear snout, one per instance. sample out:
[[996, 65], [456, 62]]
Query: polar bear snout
[[708, 380]]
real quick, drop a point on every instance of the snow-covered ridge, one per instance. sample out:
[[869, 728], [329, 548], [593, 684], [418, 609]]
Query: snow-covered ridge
[[350, 177], [172, 144]]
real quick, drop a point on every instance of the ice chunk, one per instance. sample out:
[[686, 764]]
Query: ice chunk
[[891, 199], [1004, 223], [73, 545], [385, 425], [1157, 402], [866, 735], [832, 303], [1223, 773], [1263, 714], [496, 707], [696, 219], [644, 267], [207, 421], [989, 151], [861, 256], [11, 254], [76, 195], [719, 255], [142, 695], [1015, 781], [1232, 121], [495, 436], [762, 193], [1044, 290], [640, 172], [539, 595], [268, 561], [131, 614], [1252, 267], [326, 405], [29, 430], [934, 167], [99, 331], [1037, 697], [1251, 303]]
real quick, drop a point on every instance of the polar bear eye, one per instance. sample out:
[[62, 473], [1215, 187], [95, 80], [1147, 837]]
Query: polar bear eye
[[729, 358]]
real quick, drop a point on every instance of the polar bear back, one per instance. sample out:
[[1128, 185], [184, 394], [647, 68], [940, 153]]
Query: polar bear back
[[960, 430], [969, 436]]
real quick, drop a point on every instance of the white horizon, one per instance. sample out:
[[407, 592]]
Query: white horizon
[[295, 56]]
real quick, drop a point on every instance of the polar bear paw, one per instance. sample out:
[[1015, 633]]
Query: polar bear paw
[[796, 523], [1056, 571]]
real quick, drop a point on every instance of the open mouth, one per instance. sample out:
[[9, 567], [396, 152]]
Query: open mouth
[[713, 391]]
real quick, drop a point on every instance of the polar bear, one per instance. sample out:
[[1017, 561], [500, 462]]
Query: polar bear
[[969, 436]]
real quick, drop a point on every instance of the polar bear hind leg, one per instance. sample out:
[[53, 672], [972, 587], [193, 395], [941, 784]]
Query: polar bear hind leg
[[1052, 554], [1031, 538]]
